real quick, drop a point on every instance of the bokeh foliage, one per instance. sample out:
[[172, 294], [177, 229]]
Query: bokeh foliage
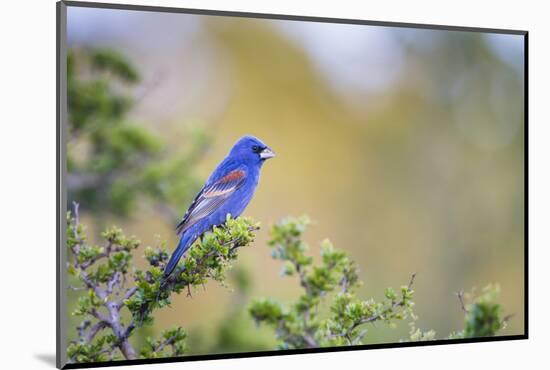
[[483, 315], [113, 161]]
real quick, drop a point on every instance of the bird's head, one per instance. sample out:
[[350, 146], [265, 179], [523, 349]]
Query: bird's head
[[252, 150]]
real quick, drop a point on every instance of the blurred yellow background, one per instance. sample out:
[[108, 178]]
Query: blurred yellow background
[[405, 146]]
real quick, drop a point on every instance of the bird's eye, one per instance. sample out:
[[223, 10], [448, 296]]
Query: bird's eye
[[256, 149]]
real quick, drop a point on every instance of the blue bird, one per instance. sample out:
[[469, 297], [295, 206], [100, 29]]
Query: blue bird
[[227, 191]]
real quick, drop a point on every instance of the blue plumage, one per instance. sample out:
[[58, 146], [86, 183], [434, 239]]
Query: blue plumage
[[227, 191]]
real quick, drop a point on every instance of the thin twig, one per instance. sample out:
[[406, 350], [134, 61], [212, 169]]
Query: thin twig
[[111, 320], [168, 342], [129, 293], [100, 325], [394, 305], [82, 328], [460, 296], [311, 342]]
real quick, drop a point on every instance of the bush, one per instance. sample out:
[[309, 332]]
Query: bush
[[111, 285], [332, 284]]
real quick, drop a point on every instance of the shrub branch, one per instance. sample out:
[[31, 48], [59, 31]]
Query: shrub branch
[[107, 293]]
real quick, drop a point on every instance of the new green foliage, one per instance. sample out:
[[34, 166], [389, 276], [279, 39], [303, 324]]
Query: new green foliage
[[206, 260], [483, 316], [173, 338], [117, 297], [331, 283], [329, 312]]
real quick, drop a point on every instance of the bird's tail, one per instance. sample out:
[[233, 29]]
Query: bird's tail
[[184, 244]]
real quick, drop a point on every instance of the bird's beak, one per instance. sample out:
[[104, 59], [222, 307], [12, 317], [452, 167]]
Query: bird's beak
[[267, 153]]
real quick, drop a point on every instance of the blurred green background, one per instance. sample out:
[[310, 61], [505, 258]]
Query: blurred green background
[[405, 146]]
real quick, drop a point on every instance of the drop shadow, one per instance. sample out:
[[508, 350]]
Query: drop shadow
[[47, 358]]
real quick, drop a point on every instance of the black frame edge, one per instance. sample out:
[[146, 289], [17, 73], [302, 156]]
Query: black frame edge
[[222, 356], [526, 184]]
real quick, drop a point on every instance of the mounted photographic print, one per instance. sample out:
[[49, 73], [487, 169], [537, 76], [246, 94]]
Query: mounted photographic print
[[237, 185]]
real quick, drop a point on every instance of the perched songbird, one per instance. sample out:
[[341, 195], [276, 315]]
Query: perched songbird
[[227, 191]]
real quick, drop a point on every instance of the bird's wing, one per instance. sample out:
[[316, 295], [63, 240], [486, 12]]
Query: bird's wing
[[211, 197]]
